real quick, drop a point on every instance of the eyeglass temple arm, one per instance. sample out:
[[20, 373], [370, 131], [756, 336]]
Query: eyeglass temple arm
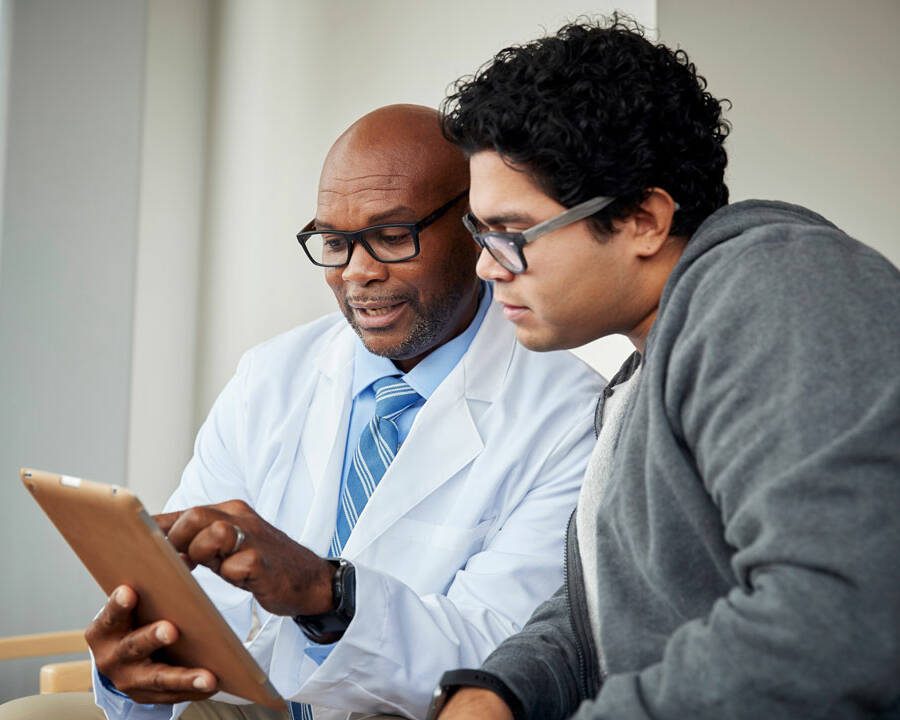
[[425, 222], [579, 212]]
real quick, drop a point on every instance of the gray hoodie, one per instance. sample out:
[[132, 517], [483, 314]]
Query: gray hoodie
[[749, 534]]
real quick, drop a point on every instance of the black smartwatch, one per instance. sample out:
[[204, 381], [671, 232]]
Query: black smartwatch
[[454, 680], [318, 628]]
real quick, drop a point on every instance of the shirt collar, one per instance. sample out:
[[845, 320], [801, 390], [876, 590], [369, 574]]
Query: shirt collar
[[425, 377]]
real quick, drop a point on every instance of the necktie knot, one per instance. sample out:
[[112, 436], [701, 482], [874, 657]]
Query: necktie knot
[[392, 397]]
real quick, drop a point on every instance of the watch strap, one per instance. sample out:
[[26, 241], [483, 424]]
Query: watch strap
[[343, 587], [453, 680]]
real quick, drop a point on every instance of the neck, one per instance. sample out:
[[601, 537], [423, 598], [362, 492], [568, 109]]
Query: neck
[[638, 334], [664, 262]]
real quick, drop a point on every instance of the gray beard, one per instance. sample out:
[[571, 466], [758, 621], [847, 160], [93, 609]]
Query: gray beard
[[430, 323]]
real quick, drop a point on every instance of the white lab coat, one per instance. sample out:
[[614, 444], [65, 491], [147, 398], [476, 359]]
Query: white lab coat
[[462, 538]]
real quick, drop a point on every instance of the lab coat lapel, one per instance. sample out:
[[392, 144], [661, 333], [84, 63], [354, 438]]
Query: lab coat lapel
[[444, 437], [324, 435]]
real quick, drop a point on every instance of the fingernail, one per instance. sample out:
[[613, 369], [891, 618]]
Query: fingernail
[[202, 683], [163, 634], [120, 598]]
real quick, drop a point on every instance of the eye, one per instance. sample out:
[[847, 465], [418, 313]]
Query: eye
[[393, 235], [334, 242]]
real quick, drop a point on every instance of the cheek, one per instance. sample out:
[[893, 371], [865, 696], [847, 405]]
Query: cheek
[[435, 274], [335, 281], [557, 288], [565, 298]]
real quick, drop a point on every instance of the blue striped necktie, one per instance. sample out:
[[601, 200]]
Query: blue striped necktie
[[376, 449]]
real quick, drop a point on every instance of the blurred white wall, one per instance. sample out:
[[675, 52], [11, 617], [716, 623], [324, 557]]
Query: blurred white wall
[[66, 289], [5, 46], [171, 221], [816, 102]]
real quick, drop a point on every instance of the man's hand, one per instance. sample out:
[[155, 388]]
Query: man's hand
[[284, 577], [471, 703], [122, 653]]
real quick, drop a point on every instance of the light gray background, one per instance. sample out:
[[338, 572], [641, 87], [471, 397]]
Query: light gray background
[[160, 155], [816, 102], [66, 289]]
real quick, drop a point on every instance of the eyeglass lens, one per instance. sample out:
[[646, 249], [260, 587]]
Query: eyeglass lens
[[386, 243], [504, 251]]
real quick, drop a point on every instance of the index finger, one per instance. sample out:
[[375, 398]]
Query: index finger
[[192, 522], [229, 507], [167, 520]]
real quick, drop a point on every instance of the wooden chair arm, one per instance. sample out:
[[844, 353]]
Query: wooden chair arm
[[55, 643], [72, 676]]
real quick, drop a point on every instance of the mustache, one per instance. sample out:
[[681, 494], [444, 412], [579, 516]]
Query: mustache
[[386, 299]]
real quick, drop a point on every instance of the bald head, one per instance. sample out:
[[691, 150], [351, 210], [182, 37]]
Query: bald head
[[402, 144], [408, 284]]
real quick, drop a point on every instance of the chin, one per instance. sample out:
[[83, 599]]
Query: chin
[[540, 341], [379, 343]]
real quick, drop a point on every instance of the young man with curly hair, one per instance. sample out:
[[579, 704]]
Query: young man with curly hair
[[734, 550]]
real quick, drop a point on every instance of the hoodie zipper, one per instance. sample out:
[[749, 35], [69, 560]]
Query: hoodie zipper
[[590, 676]]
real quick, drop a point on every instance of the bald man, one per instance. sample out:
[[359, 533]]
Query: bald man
[[359, 551]]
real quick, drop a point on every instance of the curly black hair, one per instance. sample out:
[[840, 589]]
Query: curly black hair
[[597, 109]]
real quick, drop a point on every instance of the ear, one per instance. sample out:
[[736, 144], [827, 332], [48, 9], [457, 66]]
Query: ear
[[652, 222]]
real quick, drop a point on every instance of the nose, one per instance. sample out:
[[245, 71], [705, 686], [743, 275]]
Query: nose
[[489, 269], [363, 268]]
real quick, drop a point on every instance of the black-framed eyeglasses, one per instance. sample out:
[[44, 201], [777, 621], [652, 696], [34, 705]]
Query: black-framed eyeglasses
[[507, 248], [388, 243]]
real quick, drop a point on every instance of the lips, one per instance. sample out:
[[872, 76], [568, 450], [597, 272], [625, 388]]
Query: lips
[[373, 315], [512, 312], [375, 310]]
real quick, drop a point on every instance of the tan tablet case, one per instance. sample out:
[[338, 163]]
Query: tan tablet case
[[120, 544]]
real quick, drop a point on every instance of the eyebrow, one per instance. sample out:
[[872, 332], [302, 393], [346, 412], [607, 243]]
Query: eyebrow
[[511, 218], [397, 213]]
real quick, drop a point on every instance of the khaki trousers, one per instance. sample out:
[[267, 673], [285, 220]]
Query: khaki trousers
[[80, 706]]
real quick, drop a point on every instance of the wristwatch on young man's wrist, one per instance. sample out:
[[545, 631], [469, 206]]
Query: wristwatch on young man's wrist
[[454, 680], [321, 628]]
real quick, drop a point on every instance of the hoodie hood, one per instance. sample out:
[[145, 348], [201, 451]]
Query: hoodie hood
[[732, 221], [743, 220]]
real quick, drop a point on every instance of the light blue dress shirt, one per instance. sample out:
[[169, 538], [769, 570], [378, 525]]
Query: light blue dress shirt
[[424, 378]]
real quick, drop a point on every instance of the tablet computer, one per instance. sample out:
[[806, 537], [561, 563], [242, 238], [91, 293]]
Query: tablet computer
[[121, 544]]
